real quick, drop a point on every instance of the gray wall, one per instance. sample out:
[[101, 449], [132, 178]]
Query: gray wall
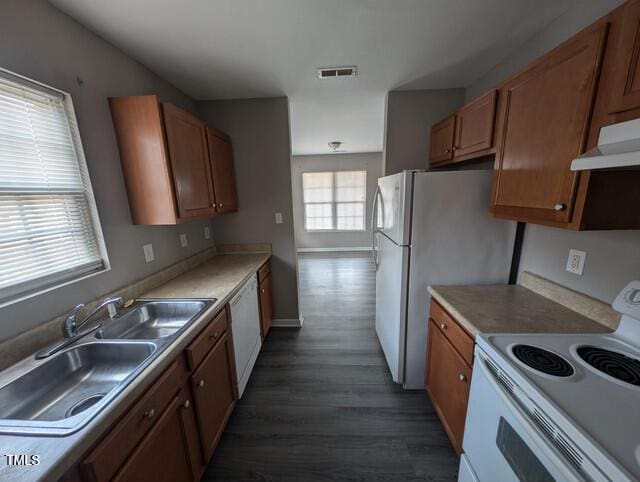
[[259, 129], [367, 161], [409, 117], [613, 257], [40, 42]]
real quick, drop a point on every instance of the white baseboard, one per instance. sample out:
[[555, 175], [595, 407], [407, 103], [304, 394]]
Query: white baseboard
[[287, 322], [333, 250]]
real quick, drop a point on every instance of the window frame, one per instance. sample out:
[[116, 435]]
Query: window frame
[[30, 288], [334, 203]]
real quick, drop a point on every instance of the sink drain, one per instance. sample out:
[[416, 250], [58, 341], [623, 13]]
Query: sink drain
[[85, 403]]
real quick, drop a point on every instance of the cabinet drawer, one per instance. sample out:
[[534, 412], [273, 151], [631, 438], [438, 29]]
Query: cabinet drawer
[[458, 337], [264, 271], [103, 462], [447, 380], [199, 347]]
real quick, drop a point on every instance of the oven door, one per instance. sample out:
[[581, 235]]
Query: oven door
[[501, 441]]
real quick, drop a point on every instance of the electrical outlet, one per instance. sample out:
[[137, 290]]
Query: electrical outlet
[[207, 232], [575, 262], [278, 218], [183, 240], [148, 253]]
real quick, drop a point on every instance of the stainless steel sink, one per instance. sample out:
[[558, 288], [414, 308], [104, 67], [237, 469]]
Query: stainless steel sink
[[62, 392], [70, 386], [153, 319]]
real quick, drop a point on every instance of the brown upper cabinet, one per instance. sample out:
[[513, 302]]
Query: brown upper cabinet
[[544, 114], [171, 170], [441, 143], [475, 125], [467, 134], [625, 88], [223, 171], [548, 114], [187, 145]]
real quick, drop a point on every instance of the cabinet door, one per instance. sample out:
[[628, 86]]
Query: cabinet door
[[475, 125], [222, 171], [187, 145], [625, 93], [167, 452], [214, 394], [447, 381], [545, 113], [266, 306], [441, 142]]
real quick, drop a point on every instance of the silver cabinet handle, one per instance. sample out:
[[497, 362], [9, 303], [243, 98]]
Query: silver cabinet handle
[[220, 205], [560, 207], [443, 326], [149, 414], [462, 377], [214, 336], [201, 383], [186, 404]]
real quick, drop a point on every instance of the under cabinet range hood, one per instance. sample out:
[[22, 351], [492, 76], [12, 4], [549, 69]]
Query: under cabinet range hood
[[618, 148]]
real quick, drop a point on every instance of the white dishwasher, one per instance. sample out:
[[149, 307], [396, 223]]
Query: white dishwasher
[[245, 326]]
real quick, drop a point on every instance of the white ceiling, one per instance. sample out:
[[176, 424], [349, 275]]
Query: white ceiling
[[221, 49]]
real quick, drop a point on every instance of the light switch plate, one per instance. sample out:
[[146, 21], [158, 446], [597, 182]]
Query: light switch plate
[[183, 240], [278, 218], [207, 232], [148, 253], [575, 262]]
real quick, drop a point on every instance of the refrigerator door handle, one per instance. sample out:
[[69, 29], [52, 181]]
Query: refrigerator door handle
[[374, 213]]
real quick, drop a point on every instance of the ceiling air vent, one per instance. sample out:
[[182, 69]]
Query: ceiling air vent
[[333, 72]]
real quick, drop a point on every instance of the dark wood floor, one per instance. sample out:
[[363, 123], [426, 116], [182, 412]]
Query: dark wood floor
[[321, 405]]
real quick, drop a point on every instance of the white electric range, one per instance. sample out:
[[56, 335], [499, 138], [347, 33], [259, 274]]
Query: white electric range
[[557, 407]]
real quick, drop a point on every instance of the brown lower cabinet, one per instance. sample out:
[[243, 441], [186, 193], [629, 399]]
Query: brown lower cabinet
[[213, 385], [171, 431], [448, 372], [265, 299], [167, 451]]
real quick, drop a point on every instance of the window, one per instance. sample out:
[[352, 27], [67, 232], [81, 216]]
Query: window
[[334, 201], [49, 231]]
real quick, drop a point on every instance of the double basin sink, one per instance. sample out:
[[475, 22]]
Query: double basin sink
[[66, 390]]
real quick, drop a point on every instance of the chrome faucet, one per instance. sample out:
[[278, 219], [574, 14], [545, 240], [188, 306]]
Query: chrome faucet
[[71, 325]]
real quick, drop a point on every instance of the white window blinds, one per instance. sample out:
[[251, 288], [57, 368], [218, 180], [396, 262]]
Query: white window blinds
[[334, 201], [351, 191], [48, 225]]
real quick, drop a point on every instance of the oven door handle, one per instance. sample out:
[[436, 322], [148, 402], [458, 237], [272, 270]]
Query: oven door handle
[[568, 472]]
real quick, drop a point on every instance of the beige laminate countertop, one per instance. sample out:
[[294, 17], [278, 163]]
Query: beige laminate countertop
[[220, 277], [510, 309]]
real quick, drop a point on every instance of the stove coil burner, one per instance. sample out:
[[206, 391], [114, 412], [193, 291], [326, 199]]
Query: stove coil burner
[[614, 364], [543, 360]]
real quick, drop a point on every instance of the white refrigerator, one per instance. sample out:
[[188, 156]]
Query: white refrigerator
[[430, 228]]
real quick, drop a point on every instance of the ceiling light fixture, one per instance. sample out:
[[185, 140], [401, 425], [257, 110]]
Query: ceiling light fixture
[[335, 145]]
